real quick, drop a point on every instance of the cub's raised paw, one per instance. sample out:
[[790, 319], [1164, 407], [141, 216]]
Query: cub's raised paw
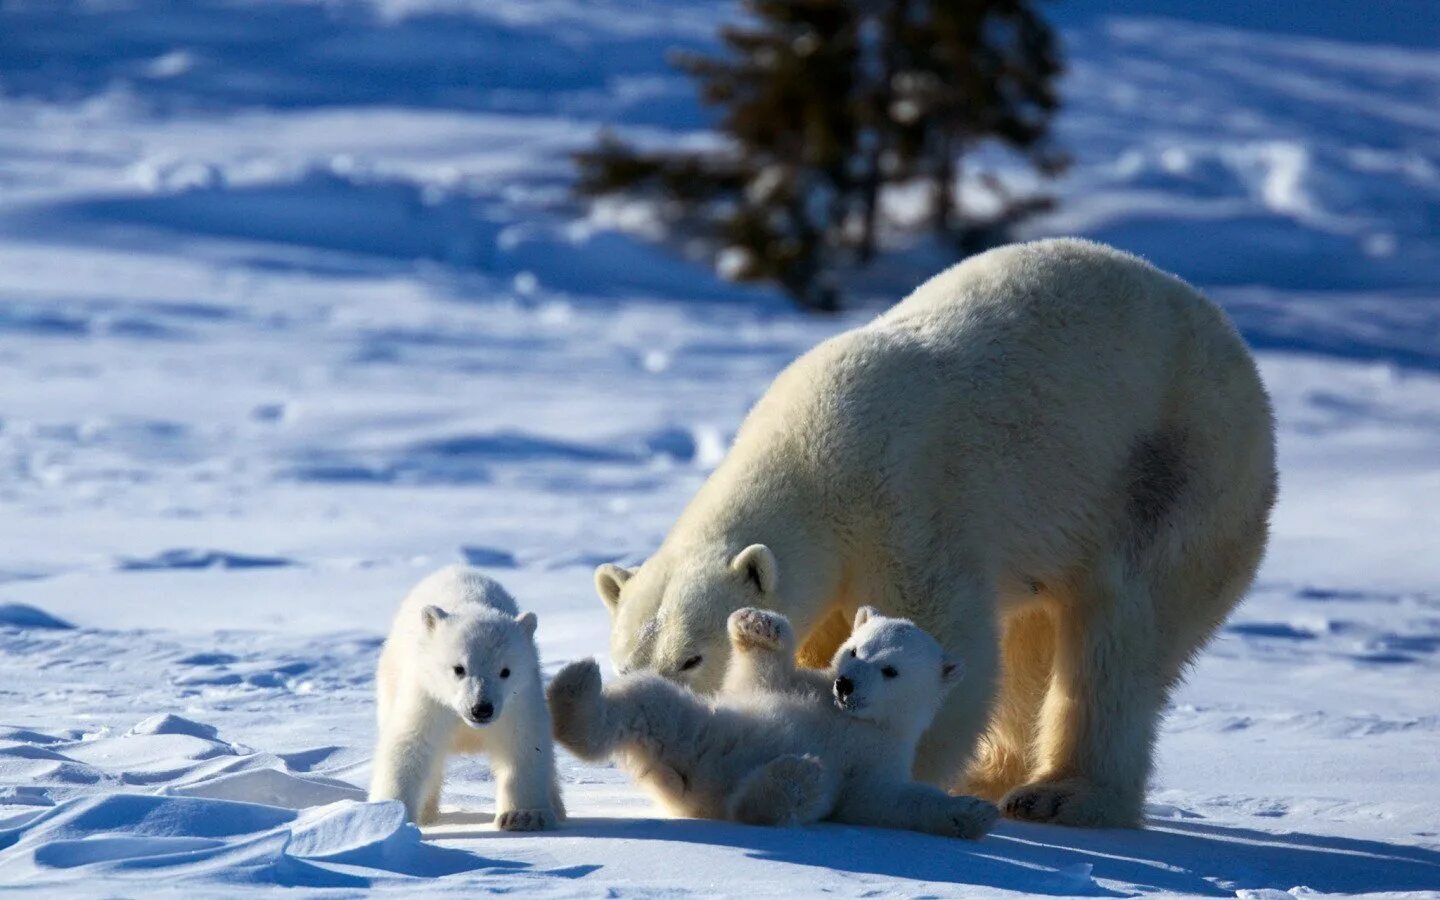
[[760, 629], [526, 820], [576, 709], [970, 817], [577, 680]]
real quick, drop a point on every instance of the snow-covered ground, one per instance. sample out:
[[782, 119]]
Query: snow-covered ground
[[293, 308]]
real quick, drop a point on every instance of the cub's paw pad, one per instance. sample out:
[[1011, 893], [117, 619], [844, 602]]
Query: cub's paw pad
[[971, 818], [758, 628], [788, 790], [526, 820], [800, 780]]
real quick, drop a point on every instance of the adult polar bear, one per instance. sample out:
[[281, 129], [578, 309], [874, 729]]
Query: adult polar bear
[[1054, 457]]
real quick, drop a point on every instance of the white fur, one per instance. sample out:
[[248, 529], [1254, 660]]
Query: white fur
[[772, 748], [1054, 457], [457, 617]]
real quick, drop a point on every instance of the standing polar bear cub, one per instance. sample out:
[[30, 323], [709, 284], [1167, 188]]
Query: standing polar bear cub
[[1053, 457], [772, 748], [459, 673]]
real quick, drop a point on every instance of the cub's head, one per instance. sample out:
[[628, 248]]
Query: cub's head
[[474, 661], [891, 670], [668, 616]]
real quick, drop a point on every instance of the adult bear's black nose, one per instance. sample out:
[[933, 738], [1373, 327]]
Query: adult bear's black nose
[[844, 687], [483, 711]]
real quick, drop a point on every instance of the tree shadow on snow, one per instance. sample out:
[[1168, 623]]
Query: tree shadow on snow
[[1183, 857]]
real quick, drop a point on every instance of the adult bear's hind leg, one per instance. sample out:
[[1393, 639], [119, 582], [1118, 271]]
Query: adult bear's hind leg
[[1097, 725], [1125, 630]]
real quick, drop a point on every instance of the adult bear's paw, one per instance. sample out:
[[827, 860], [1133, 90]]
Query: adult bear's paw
[[1071, 801]]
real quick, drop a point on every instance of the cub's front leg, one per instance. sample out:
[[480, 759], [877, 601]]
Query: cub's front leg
[[527, 796], [410, 757], [917, 807], [763, 657]]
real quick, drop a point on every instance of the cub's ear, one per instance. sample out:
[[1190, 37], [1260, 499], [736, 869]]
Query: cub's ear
[[864, 614], [432, 616], [527, 621], [757, 564], [609, 579], [951, 670]]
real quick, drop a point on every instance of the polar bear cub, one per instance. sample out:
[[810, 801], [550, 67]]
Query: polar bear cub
[[779, 745], [459, 673]]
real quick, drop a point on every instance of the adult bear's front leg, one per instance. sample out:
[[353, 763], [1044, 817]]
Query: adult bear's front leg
[[968, 632]]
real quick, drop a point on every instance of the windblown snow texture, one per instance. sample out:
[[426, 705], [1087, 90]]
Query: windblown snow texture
[[294, 308]]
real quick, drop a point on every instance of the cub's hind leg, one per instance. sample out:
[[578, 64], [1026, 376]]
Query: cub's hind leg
[[788, 790], [915, 807]]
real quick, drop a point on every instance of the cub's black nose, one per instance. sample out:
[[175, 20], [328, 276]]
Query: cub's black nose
[[844, 687], [483, 711]]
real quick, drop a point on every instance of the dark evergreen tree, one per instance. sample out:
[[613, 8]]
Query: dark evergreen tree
[[826, 103], [971, 72]]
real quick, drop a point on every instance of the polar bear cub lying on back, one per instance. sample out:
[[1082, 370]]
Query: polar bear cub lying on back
[[460, 674], [773, 747]]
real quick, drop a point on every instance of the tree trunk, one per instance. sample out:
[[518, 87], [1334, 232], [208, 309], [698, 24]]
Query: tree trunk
[[889, 41], [943, 189]]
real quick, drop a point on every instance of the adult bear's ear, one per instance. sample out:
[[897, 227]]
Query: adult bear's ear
[[432, 616], [609, 579], [951, 670], [758, 566], [863, 615], [527, 621]]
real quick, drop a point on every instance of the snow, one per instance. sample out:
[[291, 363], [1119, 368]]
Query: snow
[[294, 309]]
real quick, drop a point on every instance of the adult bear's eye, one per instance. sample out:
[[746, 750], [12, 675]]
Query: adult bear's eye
[[889, 672], [690, 663], [504, 673], [459, 671]]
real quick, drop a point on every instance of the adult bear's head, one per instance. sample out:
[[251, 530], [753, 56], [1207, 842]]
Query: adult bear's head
[[668, 616]]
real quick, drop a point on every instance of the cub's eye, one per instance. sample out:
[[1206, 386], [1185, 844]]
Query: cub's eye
[[504, 673], [690, 663], [852, 652], [459, 671], [889, 672]]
